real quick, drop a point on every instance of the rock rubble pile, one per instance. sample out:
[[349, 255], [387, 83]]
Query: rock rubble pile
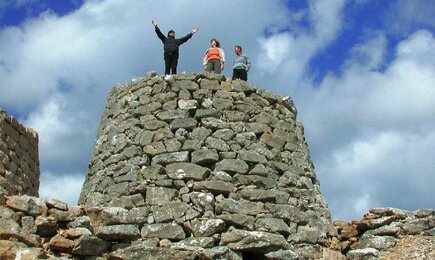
[[381, 229]]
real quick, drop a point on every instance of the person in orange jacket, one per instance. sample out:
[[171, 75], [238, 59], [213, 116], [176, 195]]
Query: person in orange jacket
[[214, 58]]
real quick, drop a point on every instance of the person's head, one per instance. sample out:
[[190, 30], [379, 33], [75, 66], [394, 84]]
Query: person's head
[[214, 43], [238, 50], [171, 34]]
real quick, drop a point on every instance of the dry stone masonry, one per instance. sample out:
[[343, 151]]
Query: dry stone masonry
[[19, 159], [193, 167], [212, 164]]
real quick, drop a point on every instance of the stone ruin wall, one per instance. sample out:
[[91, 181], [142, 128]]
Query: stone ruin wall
[[194, 151], [19, 159], [191, 226]]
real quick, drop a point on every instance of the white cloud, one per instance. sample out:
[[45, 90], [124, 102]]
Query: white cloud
[[326, 17], [65, 188], [369, 55], [366, 127], [275, 51], [380, 170], [407, 15]]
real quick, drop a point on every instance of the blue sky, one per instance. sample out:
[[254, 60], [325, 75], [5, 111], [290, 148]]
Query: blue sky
[[361, 73]]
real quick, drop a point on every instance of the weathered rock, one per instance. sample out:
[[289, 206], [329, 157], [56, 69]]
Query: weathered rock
[[207, 113], [175, 210], [118, 232], [360, 254], [54, 203], [194, 243], [221, 253], [185, 123], [115, 215], [232, 166], [162, 230], [205, 157], [214, 186], [251, 157], [168, 158], [90, 246], [205, 201], [46, 226], [416, 226], [376, 242], [60, 243], [346, 230], [217, 144], [187, 171], [82, 221], [307, 234], [282, 255], [239, 207], [9, 229], [240, 221], [272, 141], [254, 180], [151, 253], [10, 249], [252, 241], [272, 225], [207, 227], [7, 213], [77, 232], [30, 254], [27, 204], [171, 115], [159, 195], [274, 196], [66, 216]]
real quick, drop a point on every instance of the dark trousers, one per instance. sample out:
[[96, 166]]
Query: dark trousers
[[171, 63], [240, 74], [213, 66]]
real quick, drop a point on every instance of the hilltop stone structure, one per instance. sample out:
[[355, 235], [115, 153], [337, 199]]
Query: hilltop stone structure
[[203, 157], [19, 159], [193, 167]]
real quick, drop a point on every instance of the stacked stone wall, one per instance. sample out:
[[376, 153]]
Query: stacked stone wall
[[203, 157], [32, 228], [179, 210], [19, 159]]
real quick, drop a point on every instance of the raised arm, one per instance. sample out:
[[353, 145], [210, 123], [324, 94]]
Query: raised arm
[[158, 32], [187, 37]]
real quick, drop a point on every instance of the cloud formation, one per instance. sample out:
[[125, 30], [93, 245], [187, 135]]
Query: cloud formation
[[368, 122], [373, 130]]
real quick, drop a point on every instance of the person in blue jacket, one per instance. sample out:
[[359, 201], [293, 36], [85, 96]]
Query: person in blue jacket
[[171, 47]]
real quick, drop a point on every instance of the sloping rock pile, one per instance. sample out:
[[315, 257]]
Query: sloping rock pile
[[381, 230]]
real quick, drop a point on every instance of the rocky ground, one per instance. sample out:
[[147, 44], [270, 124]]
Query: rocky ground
[[411, 247], [389, 233]]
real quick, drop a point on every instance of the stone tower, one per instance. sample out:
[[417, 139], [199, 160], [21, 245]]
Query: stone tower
[[221, 163]]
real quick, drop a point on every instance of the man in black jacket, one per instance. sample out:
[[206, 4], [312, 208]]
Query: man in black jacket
[[171, 47]]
